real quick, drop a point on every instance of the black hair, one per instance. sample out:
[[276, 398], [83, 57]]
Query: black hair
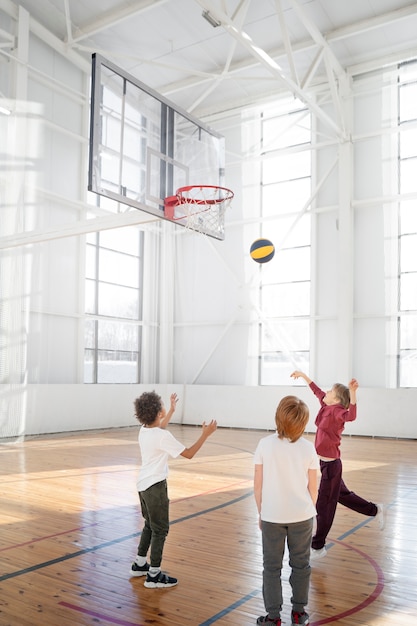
[[147, 407]]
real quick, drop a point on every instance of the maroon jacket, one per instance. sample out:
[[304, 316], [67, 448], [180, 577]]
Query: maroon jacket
[[330, 422]]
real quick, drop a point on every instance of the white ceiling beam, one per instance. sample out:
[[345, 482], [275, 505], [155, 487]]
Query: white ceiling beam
[[317, 37], [238, 8], [357, 28], [389, 59], [372, 23], [68, 21], [79, 228], [276, 71], [335, 92], [240, 15], [8, 37], [312, 69], [114, 17], [11, 9], [136, 59], [287, 41], [270, 64], [334, 71], [352, 71]]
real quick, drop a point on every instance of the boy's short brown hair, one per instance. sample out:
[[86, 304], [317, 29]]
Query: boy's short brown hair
[[343, 394], [291, 418]]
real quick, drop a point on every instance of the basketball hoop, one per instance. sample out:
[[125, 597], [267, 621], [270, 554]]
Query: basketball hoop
[[200, 208]]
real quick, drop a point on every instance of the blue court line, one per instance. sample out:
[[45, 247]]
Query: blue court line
[[256, 592], [231, 608], [329, 545], [101, 546], [222, 613]]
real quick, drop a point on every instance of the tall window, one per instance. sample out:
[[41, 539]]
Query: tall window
[[285, 284], [113, 306], [408, 225]]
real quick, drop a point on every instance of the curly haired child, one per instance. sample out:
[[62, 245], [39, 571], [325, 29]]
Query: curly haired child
[[156, 445]]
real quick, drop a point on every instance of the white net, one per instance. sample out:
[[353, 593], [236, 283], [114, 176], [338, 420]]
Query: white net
[[201, 208]]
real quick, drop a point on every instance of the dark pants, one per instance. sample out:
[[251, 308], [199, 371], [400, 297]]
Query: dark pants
[[154, 503], [331, 491], [298, 538]]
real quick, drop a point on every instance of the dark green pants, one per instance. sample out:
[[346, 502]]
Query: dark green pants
[[154, 503]]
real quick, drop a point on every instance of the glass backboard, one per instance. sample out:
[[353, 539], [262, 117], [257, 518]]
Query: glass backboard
[[143, 147]]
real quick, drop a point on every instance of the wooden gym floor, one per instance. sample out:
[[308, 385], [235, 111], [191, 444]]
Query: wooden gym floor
[[70, 524]]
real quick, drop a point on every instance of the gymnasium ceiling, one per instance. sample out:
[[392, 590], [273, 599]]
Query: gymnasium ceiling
[[252, 49]]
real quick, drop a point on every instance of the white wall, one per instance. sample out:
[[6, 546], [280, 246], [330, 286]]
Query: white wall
[[381, 413], [65, 408]]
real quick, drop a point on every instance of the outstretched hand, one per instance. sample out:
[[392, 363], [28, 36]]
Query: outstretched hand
[[208, 429], [353, 385], [298, 374], [172, 406], [173, 400]]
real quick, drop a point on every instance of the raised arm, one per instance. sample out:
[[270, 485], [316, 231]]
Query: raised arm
[[208, 429], [353, 385], [173, 405]]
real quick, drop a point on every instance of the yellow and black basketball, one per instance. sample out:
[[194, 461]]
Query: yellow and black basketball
[[262, 250]]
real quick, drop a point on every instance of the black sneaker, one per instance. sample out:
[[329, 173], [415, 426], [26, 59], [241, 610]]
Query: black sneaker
[[265, 619], [139, 570], [160, 581]]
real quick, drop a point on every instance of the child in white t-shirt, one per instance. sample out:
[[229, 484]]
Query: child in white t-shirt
[[285, 486], [156, 446]]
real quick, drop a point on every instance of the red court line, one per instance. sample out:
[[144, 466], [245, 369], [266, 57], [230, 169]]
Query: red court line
[[371, 598], [64, 532], [217, 490], [81, 528]]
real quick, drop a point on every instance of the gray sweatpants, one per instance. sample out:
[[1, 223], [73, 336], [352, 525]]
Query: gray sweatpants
[[298, 538]]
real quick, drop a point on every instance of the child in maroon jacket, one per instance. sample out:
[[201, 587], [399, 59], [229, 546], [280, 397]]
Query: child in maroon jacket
[[337, 406]]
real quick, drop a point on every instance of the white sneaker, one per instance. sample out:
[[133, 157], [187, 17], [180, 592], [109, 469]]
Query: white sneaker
[[317, 554], [380, 516]]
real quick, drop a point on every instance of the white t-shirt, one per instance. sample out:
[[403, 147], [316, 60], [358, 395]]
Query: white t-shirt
[[156, 446], [285, 495]]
